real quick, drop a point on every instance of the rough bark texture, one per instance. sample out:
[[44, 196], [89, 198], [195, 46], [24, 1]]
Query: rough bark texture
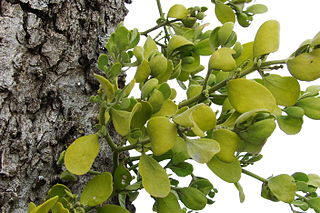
[[48, 50]]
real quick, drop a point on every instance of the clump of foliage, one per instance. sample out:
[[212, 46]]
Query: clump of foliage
[[173, 133]]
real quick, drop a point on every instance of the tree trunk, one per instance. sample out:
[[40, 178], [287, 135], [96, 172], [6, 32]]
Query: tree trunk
[[48, 51]]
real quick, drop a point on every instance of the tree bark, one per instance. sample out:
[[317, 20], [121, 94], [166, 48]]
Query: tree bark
[[48, 51]]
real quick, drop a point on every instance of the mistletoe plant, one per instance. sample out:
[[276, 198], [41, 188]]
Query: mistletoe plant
[[226, 139]]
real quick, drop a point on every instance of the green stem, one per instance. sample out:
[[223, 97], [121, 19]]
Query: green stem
[[205, 84], [133, 146], [162, 16], [110, 142], [244, 171], [218, 86], [94, 172], [145, 33]]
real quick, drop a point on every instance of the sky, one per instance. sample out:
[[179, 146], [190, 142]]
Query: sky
[[283, 154]]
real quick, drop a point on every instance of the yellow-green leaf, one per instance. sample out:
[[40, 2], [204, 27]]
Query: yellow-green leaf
[[178, 42], [81, 154], [148, 87], [158, 65], [141, 116], [178, 11], [194, 90], [154, 178], [306, 66], [156, 100], [222, 59], [168, 108], [168, 204], [200, 118], [224, 13], [229, 172], [122, 119], [311, 107], [286, 90], [59, 208], [246, 55], [225, 32], [290, 125], [246, 95], [283, 187], [267, 38], [97, 190], [228, 141], [106, 86], [203, 149], [109, 208], [163, 134], [47, 206], [32, 208], [192, 198], [150, 47], [143, 71]]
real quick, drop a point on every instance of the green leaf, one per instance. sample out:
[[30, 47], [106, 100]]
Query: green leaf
[[143, 71], [194, 90], [103, 62], [121, 37], [168, 204], [246, 95], [59, 208], [109, 208], [115, 69], [202, 185], [32, 208], [192, 198], [315, 204], [97, 190], [122, 119], [225, 32], [168, 109], [300, 204], [267, 38], [46, 206], [213, 39], [316, 40], [257, 9], [141, 116], [283, 187], [300, 176], [229, 172], [294, 111], [163, 134], [150, 47], [182, 169], [154, 178], [81, 154], [258, 132], [222, 59], [228, 142], [134, 38], [224, 13], [178, 43], [127, 90], [61, 191], [241, 193], [156, 100], [306, 66], [286, 90], [158, 65], [203, 47], [246, 55], [180, 152], [192, 65], [178, 11], [122, 177], [200, 118], [148, 87], [290, 125], [311, 107], [203, 149], [106, 86], [314, 180]]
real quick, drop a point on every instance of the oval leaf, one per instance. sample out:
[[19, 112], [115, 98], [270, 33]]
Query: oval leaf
[[267, 38], [229, 172], [97, 190], [178, 11], [283, 187], [168, 204], [163, 134], [203, 149], [154, 178], [81, 154], [224, 13]]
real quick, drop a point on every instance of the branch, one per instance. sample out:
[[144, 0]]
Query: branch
[[145, 33], [134, 146], [201, 97], [244, 171]]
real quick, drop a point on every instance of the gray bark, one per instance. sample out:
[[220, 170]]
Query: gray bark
[[48, 50]]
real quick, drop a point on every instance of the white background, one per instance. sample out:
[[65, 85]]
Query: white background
[[283, 154]]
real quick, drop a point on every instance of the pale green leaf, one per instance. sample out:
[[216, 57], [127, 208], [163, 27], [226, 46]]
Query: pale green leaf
[[203, 149], [283, 187], [229, 172]]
